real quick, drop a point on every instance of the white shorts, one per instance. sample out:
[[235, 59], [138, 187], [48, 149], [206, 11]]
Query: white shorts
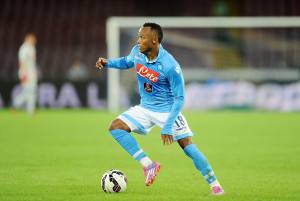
[[141, 120]]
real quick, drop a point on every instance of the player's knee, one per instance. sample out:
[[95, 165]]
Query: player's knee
[[185, 142], [114, 125], [118, 124]]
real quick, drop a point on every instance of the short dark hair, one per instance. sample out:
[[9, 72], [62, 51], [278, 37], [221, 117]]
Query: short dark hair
[[157, 28]]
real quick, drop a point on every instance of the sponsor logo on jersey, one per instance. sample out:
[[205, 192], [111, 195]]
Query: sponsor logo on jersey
[[147, 72]]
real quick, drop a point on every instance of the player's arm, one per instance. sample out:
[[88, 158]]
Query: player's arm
[[119, 63], [22, 73], [177, 85]]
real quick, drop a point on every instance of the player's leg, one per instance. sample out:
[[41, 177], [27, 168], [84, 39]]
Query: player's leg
[[134, 120], [30, 100], [121, 133], [183, 135], [19, 100], [201, 163]]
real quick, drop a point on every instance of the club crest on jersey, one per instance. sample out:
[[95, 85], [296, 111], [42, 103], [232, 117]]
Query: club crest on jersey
[[147, 72], [148, 87]]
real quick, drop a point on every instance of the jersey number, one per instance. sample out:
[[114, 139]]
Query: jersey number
[[179, 121]]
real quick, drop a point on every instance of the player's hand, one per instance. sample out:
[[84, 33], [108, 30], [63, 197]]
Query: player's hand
[[167, 139], [23, 78], [101, 63]]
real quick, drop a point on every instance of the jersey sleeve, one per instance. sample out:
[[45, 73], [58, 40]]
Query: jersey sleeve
[[123, 62], [22, 55], [176, 80]]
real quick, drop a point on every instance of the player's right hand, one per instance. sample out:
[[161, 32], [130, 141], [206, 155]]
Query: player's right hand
[[23, 77], [101, 63], [167, 139]]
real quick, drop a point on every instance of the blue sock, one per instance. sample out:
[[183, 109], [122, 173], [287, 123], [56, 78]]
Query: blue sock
[[128, 143], [200, 162]]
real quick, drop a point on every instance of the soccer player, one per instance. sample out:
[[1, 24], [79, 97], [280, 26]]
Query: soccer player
[[161, 87], [27, 74]]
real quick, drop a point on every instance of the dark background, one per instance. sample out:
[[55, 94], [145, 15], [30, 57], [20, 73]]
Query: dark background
[[69, 29]]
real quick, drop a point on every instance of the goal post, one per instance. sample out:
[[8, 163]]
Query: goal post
[[115, 24]]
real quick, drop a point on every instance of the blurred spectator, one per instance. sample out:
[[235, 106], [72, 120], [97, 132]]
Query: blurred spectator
[[78, 71]]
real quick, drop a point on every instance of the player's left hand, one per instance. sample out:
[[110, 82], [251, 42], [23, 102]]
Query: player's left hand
[[167, 139]]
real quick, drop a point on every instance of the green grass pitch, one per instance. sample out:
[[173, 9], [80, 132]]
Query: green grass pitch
[[61, 155]]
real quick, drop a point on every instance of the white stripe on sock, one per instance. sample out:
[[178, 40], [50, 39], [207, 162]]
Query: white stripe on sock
[[137, 153], [210, 174], [146, 161]]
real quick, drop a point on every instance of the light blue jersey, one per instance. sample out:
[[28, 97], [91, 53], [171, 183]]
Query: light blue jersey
[[161, 87], [160, 81]]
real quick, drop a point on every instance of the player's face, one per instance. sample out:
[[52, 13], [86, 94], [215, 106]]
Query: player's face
[[146, 39]]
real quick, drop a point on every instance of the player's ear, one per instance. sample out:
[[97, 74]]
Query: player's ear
[[155, 38]]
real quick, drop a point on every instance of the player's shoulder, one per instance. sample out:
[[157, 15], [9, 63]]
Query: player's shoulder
[[134, 53], [26, 47], [135, 49], [169, 62], [23, 47]]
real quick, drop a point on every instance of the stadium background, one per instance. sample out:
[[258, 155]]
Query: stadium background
[[69, 31], [60, 154]]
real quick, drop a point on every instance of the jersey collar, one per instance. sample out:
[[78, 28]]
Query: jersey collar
[[160, 53]]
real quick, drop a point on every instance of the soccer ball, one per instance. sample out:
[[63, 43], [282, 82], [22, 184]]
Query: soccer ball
[[114, 181]]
